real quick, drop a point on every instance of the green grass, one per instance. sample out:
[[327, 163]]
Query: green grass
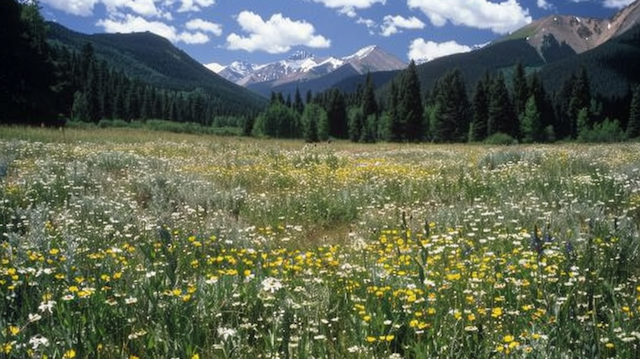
[[125, 243]]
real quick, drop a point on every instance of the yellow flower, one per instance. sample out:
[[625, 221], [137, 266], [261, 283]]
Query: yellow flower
[[13, 330], [508, 338], [371, 339], [69, 354], [496, 312], [195, 356]]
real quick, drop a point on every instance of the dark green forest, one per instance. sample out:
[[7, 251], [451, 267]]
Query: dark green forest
[[498, 109], [51, 75], [45, 82]]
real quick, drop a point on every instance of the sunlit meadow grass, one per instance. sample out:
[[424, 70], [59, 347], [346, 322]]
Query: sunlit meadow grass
[[130, 244]]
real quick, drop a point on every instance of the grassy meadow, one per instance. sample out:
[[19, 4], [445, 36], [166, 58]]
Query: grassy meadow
[[133, 244]]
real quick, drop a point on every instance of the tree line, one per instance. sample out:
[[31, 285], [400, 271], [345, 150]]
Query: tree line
[[505, 106], [48, 84]]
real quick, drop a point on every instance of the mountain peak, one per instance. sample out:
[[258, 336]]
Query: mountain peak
[[363, 52], [300, 55]]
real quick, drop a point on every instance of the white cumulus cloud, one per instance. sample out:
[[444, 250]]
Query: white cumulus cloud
[[130, 23], [140, 7], [544, 4], [147, 8], [194, 5], [206, 26], [500, 17], [348, 7], [392, 24], [617, 4], [276, 35], [423, 51], [74, 7]]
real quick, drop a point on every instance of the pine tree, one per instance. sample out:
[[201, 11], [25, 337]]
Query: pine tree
[[314, 123], [356, 123], [395, 129], [369, 104], [337, 114], [480, 109], [409, 105], [501, 116], [633, 126], [450, 123], [520, 89], [530, 122], [580, 98], [298, 105]]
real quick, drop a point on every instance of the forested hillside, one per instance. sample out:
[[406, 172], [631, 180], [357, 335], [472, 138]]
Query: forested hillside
[[53, 74]]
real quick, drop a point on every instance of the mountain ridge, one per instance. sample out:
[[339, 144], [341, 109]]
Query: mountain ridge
[[303, 66], [148, 56]]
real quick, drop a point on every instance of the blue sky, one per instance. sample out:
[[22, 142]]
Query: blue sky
[[260, 31]]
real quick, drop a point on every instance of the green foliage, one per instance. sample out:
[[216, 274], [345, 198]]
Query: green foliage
[[501, 116], [278, 121], [451, 120], [357, 123], [314, 123], [155, 61], [633, 126], [480, 111], [500, 138], [26, 72], [531, 123], [605, 131], [408, 107]]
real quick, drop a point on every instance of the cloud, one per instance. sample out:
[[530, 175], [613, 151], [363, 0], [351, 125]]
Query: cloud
[[423, 51], [348, 7], [392, 24], [74, 7], [131, 23], [147, 8], [275, 36], [194, 5], [616, 4], [206, 26], [543, 4], [140, 7], [500, 18]]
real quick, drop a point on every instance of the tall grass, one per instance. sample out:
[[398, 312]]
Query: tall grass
[[130, 244]]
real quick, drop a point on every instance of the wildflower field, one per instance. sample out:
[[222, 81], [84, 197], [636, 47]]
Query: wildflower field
[[132, 244]]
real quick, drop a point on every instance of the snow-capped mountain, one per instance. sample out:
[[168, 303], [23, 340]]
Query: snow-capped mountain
[[302, 65]]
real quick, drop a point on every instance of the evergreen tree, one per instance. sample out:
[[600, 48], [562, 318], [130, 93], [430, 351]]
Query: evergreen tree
[[26, 72], [356, 123], [369, 129], [409, 107], [530, 122], [580, 98], [395, 129], [314, 123], [80, 109], [450, 123], [480, 109], [337, 114], [633, 126], [501, 117], [298, 105], [583, 125], [520, 89], [369, 104]]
